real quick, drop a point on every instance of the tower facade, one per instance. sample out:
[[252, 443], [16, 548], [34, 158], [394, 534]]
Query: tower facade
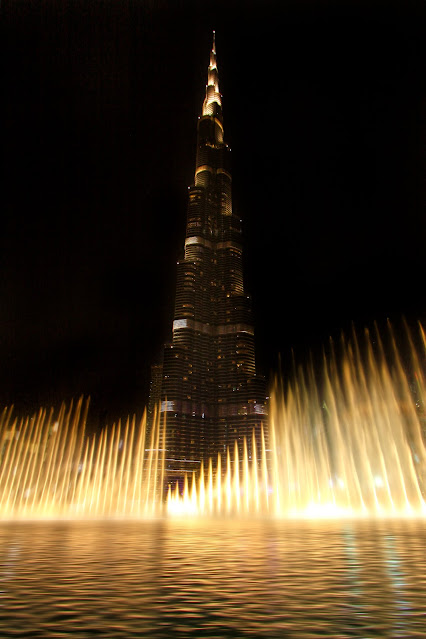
[[210, 391]]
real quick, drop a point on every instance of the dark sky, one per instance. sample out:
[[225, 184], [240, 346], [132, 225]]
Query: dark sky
[[323, 111]]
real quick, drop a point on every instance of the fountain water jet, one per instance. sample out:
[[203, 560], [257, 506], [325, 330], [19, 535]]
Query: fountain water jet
[[51, 469], [345, 441]]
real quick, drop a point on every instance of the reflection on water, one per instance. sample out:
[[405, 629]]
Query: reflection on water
[[213, 579]]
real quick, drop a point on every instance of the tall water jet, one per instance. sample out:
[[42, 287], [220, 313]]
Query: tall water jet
[[344, 440], [50, 468]]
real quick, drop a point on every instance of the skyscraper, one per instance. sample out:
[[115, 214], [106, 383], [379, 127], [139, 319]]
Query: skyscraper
[[210, 391]]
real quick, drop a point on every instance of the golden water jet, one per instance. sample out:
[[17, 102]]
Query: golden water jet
[[348, 440], [52, 469]]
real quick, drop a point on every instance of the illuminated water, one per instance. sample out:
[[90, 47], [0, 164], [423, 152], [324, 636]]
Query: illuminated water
[[272, 546], [217, 579], [347, 440], [51, 469]]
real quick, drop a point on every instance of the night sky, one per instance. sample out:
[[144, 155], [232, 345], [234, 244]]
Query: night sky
[[323, 112]]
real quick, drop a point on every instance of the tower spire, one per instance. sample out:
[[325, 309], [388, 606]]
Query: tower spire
[[212, 104]]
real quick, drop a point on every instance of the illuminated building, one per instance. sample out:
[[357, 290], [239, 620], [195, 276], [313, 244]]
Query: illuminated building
[[210, 392]]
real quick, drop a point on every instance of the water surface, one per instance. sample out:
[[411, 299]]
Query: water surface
[[220, 578]]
